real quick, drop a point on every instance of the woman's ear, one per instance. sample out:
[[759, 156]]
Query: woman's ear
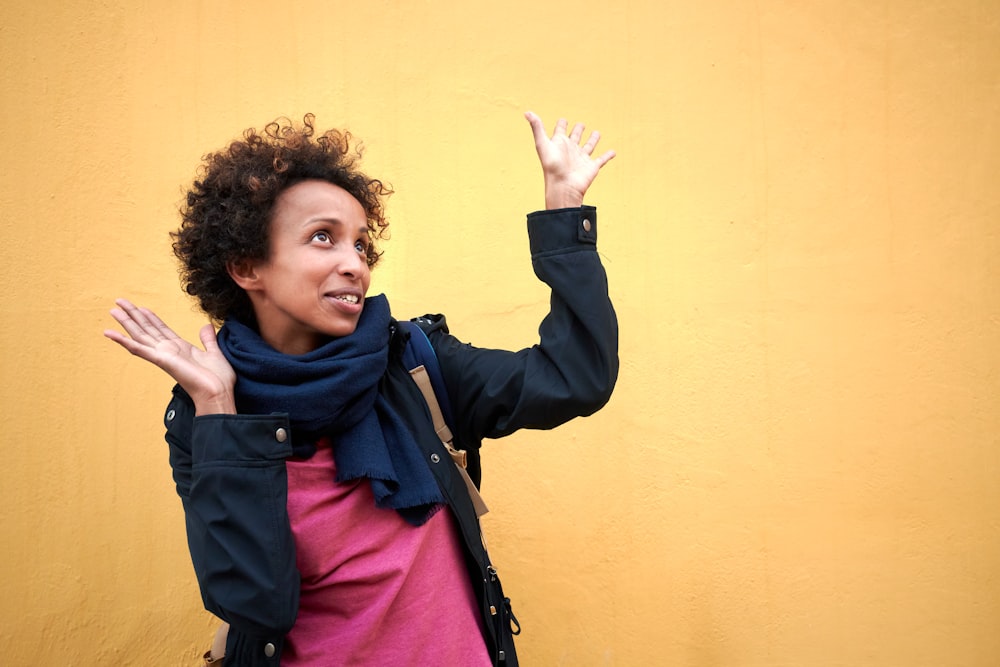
[[244, 273]]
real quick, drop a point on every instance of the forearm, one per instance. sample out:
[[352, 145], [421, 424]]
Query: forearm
[[239, 531], [572, 370], [579, 336], [230, 474]]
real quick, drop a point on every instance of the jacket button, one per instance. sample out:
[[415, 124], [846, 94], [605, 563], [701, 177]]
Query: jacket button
[[170, 415], [435, 458], [281, 435], [586, 225], [269, 650]]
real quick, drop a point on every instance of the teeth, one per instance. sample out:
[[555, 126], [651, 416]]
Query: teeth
[[347, 298]]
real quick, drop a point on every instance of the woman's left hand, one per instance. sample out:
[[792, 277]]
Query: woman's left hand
[[569, 167]]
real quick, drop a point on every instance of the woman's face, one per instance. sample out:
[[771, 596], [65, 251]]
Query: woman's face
[[313, 284]]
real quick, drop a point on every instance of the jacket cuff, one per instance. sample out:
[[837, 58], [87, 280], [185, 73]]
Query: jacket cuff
[[240, 438], [562, 230]]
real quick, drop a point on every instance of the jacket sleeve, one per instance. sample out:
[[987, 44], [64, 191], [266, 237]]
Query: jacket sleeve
[[230, 474], [571, 371]]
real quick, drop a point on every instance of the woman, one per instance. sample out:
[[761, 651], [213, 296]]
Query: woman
[[323, 523]]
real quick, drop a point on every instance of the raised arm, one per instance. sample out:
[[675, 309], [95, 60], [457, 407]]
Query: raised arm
[[230, 475], [573, 368]]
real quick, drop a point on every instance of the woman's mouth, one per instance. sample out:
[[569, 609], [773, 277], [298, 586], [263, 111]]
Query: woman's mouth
[[347, 298]]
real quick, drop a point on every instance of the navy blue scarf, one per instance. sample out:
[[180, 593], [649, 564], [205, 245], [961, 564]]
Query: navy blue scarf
[[333, 391]]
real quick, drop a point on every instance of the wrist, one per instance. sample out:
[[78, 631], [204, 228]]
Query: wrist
[[562, 198], [214, 405]]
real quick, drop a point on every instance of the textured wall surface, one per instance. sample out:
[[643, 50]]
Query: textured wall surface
[[802, 232]]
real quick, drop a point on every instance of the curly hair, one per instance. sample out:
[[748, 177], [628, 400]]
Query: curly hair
[[228, 209]]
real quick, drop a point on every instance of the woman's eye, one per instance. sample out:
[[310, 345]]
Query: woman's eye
[[361, 247], [322, 237]]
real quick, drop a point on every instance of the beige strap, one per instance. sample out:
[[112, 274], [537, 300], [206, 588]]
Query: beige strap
[[423, 380], [218, 647], [209, 660]]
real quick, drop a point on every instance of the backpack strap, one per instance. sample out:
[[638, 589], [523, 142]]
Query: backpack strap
[[419, 351], [421, 361]]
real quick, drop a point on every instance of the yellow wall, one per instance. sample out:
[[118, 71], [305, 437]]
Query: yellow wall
[[802, 231]]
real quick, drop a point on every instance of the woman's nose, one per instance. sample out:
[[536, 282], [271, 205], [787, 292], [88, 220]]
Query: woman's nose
[[352, 263]]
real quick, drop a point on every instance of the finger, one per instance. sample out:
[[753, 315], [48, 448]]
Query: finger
[[117, 337], [605, 158], [591, 144], [537, 128], [208, 338], [137, 323], [133, 328], [576, 133], [561, 125], [158, 324], [134, 347]]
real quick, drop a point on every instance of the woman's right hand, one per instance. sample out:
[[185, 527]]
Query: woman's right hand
[[205, 374]]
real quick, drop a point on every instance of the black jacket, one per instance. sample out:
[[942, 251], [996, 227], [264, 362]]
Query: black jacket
[[230, 469]]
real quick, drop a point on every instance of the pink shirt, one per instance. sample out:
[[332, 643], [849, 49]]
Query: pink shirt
[[375, 590]]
